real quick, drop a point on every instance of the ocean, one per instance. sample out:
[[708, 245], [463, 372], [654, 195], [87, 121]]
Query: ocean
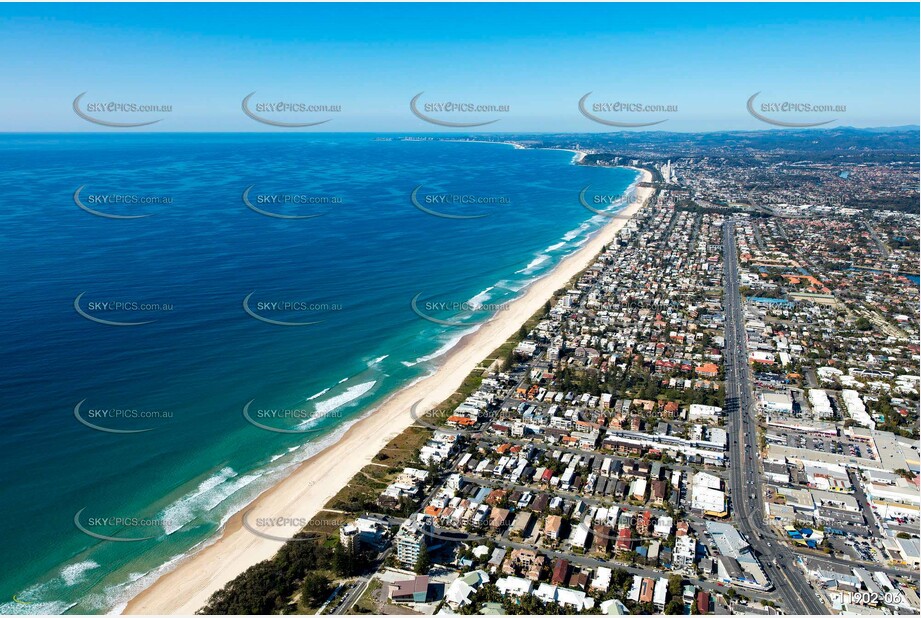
[[188, 317]]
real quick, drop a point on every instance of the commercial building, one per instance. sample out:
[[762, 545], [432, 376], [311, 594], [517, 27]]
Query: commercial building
[[707, 496], [736, 564], [776, 402], [906, 551]]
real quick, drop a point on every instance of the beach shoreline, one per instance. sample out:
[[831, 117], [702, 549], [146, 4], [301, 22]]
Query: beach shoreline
[[578, 155], [305, 492]]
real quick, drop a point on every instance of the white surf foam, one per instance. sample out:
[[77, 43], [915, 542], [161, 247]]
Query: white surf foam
[[572, 234], [204, 498], [450, 343], [512, 286], [32, 601], [116, 596], [481, 297], [36, 608], [533, 264], [320, 394], [351, 394], [73, 573]]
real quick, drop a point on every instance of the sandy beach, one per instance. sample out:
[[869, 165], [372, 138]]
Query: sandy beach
[[187, 588]]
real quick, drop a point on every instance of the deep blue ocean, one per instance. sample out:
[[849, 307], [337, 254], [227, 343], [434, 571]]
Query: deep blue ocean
[[173, 383]]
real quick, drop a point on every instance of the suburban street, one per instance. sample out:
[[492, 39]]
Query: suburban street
[[580, 560], [745, 478], [883, 249]]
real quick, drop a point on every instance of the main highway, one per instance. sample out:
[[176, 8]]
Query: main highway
[[745, 479]]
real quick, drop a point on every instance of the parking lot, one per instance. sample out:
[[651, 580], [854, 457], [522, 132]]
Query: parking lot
[[840, 445], [856, 548], [909, 525]]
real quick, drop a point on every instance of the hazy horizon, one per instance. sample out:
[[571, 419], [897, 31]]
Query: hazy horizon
[[701, 62]]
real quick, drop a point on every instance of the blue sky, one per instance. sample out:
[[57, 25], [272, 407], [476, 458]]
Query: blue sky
[[538, 59]]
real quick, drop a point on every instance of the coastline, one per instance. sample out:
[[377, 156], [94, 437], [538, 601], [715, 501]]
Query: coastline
[[304, 492], [578, 155]]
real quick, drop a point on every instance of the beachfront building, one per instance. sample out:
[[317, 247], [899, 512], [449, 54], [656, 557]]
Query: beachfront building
[[348, 538], [411, 539]]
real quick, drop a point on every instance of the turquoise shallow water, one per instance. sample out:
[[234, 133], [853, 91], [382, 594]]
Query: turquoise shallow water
[[182, 381]]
